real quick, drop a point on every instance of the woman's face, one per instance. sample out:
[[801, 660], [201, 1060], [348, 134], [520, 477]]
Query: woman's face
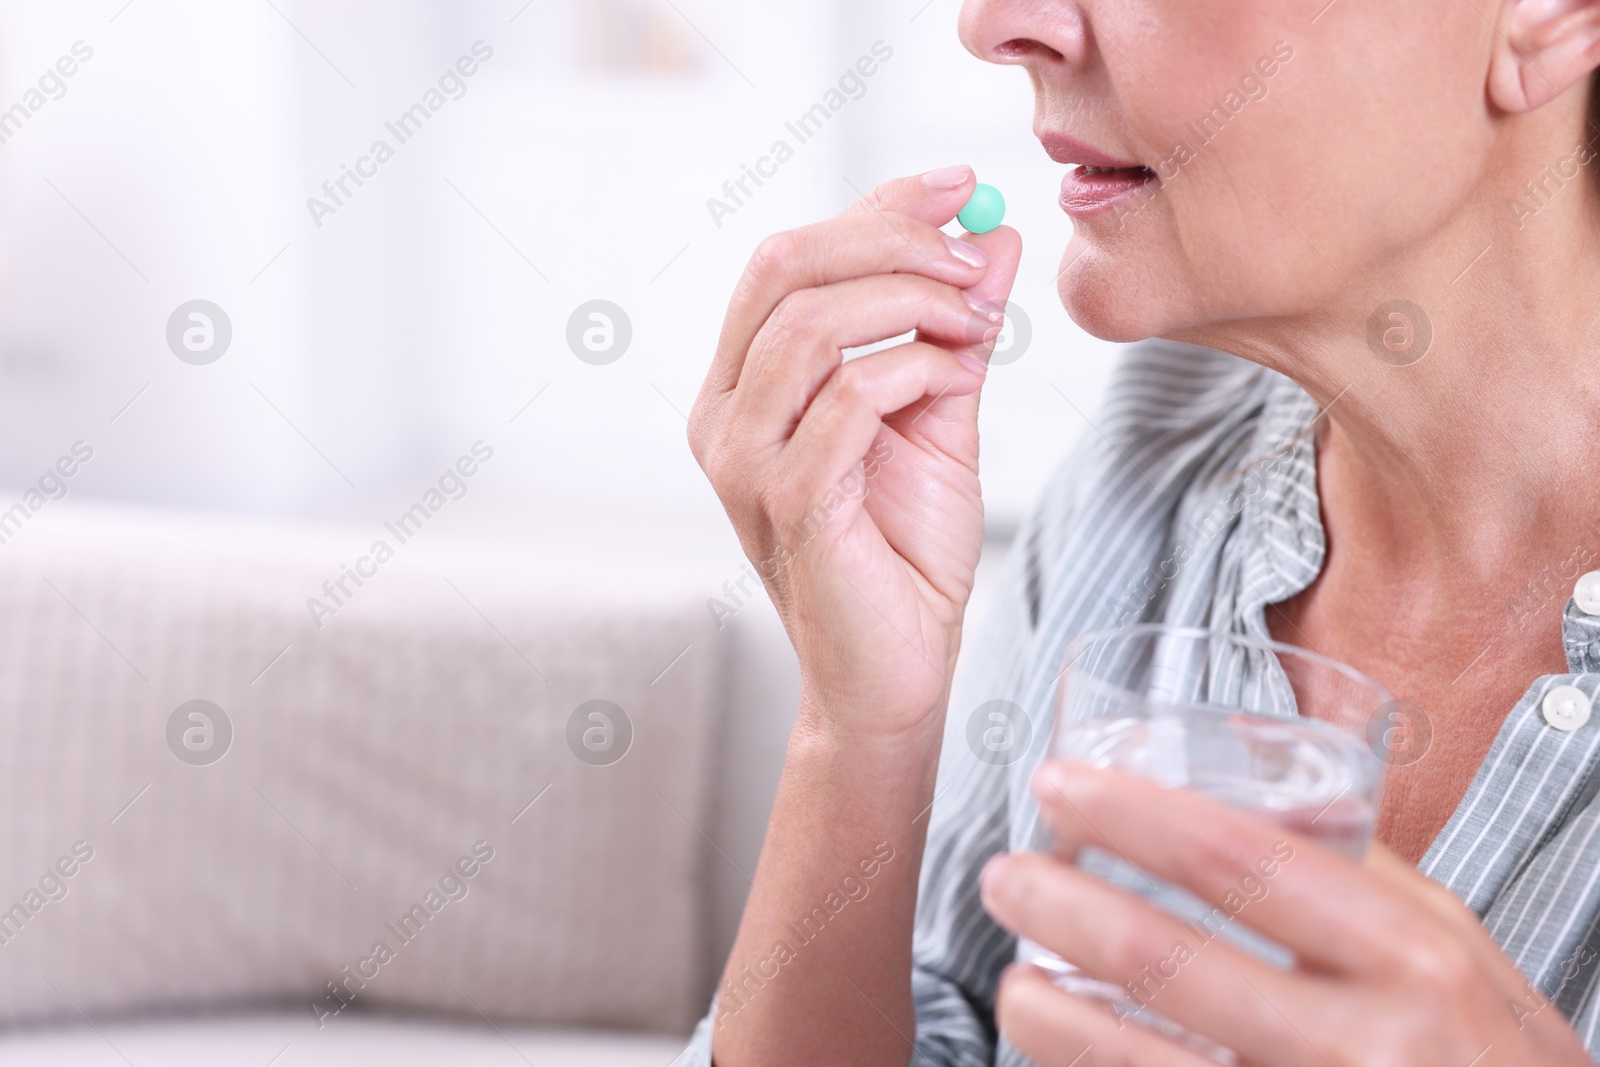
[[1303, 150]]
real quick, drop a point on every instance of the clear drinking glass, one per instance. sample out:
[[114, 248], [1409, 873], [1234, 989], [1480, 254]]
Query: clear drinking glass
[[1284, 733]]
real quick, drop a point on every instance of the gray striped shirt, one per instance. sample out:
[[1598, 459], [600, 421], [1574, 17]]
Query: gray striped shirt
[[1193, 501]]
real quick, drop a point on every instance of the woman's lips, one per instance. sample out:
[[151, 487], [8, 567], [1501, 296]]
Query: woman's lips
[[1087, 190], [1098, 181]]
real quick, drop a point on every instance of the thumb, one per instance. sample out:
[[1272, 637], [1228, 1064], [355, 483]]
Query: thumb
[[1003, 245], [951, 422]]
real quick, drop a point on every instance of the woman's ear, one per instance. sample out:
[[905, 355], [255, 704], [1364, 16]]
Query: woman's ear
[[1543, 48]]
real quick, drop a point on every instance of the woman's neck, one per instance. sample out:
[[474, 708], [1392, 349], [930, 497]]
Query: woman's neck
[[1480, 458]]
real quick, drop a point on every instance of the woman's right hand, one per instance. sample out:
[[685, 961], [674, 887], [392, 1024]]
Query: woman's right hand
[[854, 485]]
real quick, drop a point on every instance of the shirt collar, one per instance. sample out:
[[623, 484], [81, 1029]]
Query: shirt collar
[[1284, 543], [1580, 634], [1280, 523]]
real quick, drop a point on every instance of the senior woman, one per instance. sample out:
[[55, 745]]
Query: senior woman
[[1384, 273]]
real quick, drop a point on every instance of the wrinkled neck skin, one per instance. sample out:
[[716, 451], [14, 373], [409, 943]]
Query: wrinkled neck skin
[[1480, 462]]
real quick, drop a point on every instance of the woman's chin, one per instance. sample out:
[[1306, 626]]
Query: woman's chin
[[1112, 301]]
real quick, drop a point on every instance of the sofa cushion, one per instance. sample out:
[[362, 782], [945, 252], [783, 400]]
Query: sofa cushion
[[407, 812]]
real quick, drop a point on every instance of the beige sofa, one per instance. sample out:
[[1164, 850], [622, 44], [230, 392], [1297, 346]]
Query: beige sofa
[[421, 768]]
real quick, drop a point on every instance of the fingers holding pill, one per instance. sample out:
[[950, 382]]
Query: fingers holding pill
[[853, 483], [901, 236], [933, 196], [988, 295], [863, 311], [871, 273], [802, 342]]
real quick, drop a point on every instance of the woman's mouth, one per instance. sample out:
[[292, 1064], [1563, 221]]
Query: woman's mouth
[[1089, 190]]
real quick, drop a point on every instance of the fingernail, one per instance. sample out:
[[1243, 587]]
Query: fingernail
[[973, 364], [1049, 781], [987, 308], [947, 177], [971, 255]]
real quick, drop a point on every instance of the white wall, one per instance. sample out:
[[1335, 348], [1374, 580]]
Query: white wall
[[416, 320]]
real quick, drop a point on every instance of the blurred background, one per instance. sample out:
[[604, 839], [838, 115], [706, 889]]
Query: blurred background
[[424, 314], [355, 342]]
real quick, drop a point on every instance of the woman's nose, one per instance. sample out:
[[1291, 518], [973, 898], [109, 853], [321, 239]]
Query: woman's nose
[[1025, 32]]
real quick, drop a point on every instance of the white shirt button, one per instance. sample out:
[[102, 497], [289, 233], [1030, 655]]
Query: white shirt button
[[1566, 708], [1587, 593]]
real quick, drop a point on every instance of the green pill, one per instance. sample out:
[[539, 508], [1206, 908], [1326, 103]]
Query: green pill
[[984, 211]]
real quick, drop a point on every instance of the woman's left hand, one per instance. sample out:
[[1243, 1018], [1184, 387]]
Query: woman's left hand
[[1391, 968]]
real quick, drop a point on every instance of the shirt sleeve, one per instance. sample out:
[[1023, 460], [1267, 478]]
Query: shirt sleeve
[[698, 1051], [958, 952]]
